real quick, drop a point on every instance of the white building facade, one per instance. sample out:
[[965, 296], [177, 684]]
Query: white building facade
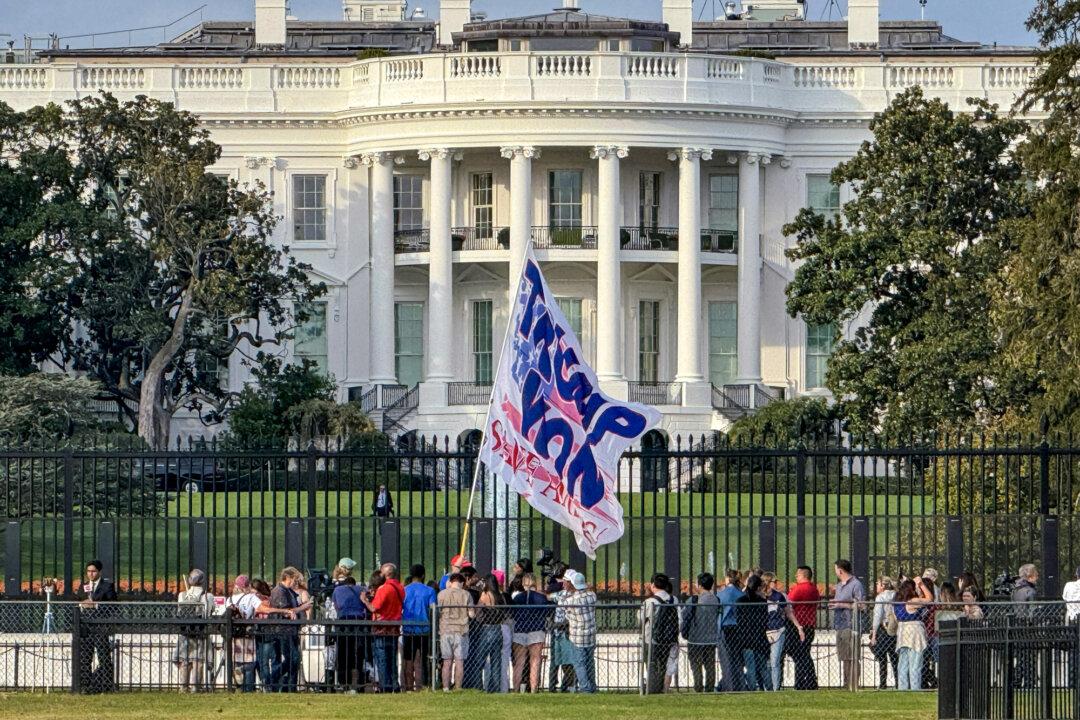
[[652, 165]]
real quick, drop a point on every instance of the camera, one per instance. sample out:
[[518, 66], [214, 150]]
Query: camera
[[550, 568], [319, 585], [1002, 586]]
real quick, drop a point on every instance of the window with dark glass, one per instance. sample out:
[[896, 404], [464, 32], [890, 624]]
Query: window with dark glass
[[483, 209], [565, 198], [649, 341], [649, 200], [408, 202]]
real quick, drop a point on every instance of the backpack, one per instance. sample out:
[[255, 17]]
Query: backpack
[[665, 622], [688, 619], [235, 616], [891, 624], [192, 608]]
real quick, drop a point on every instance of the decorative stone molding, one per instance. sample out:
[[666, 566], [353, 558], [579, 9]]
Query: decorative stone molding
[[254, 162], [690, 153], [528, 152], [753, 158], [427, 154], [371, 159], [351, 162], [766, 160], [601, 152], [785, 162]]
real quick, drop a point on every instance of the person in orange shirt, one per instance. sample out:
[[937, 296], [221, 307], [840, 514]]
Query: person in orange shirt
[[804, 598]]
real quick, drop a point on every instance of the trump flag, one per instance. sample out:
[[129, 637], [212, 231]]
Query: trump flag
[[550, 433]]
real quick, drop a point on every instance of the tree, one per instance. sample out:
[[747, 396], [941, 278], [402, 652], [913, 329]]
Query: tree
[[1036, 308], [173, 268], [913, 257], [32, 203], [46, 407]]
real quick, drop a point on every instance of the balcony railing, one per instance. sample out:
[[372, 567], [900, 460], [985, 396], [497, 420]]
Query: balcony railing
[[667, 238], [480, 238], [656, 393], [468, 393], [410, 241], [390, 394], [583, 236], [732, 398]]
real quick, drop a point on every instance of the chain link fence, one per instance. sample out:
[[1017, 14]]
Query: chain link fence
[[1000, 655]]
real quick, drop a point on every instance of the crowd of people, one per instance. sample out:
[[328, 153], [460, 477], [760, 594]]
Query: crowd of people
[[491, 632]]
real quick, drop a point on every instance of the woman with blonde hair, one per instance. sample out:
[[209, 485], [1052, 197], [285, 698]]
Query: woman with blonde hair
[[530, 613]]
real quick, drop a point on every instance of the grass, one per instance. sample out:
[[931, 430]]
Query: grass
[[246, 533], [820, 705]]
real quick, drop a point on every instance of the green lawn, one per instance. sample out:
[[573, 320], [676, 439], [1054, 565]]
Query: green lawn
[[246, 533], [821, 705]]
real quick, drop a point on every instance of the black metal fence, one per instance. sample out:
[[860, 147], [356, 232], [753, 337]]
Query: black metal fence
[[1023, 664], [957, 504]]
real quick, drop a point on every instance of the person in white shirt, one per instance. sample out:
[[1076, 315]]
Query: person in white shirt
[[1071, 595], [245, 602]]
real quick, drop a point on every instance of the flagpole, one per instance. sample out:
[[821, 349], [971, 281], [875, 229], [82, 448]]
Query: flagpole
[[491, 399]]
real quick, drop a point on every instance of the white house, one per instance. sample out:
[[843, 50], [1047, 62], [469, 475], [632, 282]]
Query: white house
[[651, 164]]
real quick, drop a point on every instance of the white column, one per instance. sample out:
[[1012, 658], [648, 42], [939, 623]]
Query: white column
[[609, 324], [440, 327], [382, 267], [690, 367], [521, 204], [749, 307]]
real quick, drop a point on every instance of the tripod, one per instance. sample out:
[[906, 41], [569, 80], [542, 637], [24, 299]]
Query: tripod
[[47, 623]]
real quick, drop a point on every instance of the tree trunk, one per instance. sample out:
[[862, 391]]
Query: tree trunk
[[154, 415]]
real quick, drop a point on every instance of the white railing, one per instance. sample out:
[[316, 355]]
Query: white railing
[[475, 66], [563, 66], [464, 79], [309, 77], [825, 76], [23, 78], [210, 78], [112, 78], [926, 76], [404, 70], [652, 66]]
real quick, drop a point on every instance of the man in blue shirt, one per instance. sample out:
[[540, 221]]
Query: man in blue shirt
[[729, 650], [416, 629]]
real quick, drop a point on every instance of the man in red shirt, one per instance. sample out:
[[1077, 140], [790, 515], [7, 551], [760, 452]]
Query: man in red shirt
[[804, 597], [386, 607]]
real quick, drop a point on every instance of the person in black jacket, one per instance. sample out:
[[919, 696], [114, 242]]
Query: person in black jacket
[[383, 504], [96, 642], [752, 612]]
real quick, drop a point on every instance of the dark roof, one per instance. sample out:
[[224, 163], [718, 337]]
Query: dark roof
[[322, 39], [565, 23], [802, 37]]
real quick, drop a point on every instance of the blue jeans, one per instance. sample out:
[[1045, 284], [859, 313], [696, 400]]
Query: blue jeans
[[731, 661], [386, 663], [247, 672], [489, 653], [285, 664], [265, 662], [757, 670], [776, 660], [909, 669], [585, 667]]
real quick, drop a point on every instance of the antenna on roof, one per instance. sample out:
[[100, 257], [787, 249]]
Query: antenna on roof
[[829, 7], [922, 9]]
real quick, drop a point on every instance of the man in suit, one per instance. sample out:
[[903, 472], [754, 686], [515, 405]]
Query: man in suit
[[383, 506], [95, 641]]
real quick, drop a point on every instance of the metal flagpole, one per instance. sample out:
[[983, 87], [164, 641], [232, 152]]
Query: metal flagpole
[[491, 399]]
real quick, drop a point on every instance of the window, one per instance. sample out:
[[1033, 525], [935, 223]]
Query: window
[[646, 45], [564, 44], [649, 201], [310, 336], [565, 198], [309, 208], [482, 341], [408, 202], [571, 309], [822, 196], [819, 346], [649, 341], [724, 203], [613, 45], [515, 46], [483, 210], [723, 343], [409, 342]]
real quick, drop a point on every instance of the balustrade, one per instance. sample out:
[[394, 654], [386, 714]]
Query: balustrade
[[210, 78]]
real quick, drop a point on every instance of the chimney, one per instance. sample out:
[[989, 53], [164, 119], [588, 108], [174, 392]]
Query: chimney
[[270, 22], [453, 14], [679, 16], [862, 23]]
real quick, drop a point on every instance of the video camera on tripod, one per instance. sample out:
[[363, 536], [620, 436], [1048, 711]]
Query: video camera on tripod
[[550, 569]]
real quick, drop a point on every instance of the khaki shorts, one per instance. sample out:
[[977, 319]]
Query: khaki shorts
[[844, 645], [454, 647]]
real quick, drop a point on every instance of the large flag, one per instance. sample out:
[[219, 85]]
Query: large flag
[[550, 433]]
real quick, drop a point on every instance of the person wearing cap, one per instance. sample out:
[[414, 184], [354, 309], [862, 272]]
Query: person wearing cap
[[1071, 595], [457, 564], [579, 607], [561, 650], [242, 604]]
